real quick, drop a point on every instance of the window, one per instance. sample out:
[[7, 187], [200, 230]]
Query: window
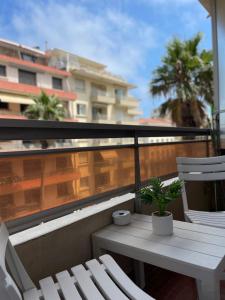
[[63, 189], [2, 70], [63, 162], [32, 198], [120, 92], [98, 89], [102, 179], [84, 182], [57, 83], [4, 105], [23, 107], [28, 57], [83, 158], [7, 206], [27, 77], [5, 169], [99, 113], [80, 85], [81, 109], [32, 168]]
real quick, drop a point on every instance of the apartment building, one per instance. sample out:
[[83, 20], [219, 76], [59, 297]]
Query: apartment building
[[24, 72], [102, 97]]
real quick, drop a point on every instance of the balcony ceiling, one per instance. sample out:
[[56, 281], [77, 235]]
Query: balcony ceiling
[[102, 77], [206, 4]]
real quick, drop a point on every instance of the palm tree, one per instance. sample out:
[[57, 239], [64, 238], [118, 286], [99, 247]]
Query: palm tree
[[185, 79], [45, 108]]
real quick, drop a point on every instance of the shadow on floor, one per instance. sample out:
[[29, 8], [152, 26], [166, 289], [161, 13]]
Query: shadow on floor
[[165, 285]]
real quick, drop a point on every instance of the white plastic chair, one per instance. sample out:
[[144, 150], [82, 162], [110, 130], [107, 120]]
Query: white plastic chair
[[202, 169], [98, 281]]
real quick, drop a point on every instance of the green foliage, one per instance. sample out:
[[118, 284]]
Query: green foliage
[[185, 79], [159, 195], [45, 108]]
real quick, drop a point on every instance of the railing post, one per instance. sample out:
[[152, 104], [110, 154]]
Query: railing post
[[137, 202], [207, 146]]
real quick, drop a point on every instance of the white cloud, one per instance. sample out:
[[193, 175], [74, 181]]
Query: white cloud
[[110, 36]]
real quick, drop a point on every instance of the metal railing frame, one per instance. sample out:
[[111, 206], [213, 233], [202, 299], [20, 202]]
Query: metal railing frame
[[45, 130]]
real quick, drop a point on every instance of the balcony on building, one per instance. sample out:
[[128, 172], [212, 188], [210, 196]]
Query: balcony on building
[[98, 98], [134, 111], [99, 94]]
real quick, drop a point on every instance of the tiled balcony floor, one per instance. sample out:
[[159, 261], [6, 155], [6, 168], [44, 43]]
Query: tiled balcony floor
[[165, 285]]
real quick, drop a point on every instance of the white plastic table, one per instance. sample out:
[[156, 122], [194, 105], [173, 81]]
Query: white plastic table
[[194, 250]]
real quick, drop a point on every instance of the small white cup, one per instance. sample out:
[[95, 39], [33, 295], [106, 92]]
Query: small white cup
[[121, 217]]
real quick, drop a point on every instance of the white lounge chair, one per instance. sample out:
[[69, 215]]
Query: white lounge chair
[[202, 169], [98, 281]]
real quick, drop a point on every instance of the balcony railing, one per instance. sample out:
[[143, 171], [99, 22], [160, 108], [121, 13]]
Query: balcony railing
[[126, 101], [134, 111], [98, 98], [38, 185], [7, 111], [10, 112], [99, 117]]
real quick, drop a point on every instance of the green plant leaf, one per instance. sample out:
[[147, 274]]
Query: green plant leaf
[[159, 195]]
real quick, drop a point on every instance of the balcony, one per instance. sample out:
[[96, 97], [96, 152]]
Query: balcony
[[134, 112], [8, 114], [103, 99], [102, 120], [99, 117], [28, 90], [128, 101], [52, 198]]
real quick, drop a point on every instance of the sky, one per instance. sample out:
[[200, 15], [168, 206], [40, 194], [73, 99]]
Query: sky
[[129, 36]]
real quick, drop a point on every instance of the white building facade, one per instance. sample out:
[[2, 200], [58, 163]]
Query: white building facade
[[101, 96]]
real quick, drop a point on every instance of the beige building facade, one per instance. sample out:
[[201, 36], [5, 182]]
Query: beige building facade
[[101, 96]]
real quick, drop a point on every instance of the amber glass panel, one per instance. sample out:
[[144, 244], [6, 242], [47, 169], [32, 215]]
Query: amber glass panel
[[34, 183], [160, 160]]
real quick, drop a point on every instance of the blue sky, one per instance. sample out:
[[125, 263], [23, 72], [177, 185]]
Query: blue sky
[[127, 35]]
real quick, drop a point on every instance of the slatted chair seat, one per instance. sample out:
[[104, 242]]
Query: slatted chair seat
[[215, 219], [202, 169], [97, 280]]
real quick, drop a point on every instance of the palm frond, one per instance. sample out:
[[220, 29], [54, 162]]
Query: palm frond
[[185, 79], [45, 108]]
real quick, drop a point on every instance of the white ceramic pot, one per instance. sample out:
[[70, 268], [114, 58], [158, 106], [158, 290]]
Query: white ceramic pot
[[162, 225]]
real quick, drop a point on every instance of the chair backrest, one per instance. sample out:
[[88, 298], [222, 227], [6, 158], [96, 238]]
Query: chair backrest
[[10, 289], [200, 169]]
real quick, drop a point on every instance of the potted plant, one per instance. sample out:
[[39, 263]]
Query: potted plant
[[160, 196]]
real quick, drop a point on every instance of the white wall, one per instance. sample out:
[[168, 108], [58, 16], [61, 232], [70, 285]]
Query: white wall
[[12, 73], [44, 80]]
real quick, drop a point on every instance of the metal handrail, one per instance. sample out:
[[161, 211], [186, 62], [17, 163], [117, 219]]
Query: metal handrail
[[34, 129]]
